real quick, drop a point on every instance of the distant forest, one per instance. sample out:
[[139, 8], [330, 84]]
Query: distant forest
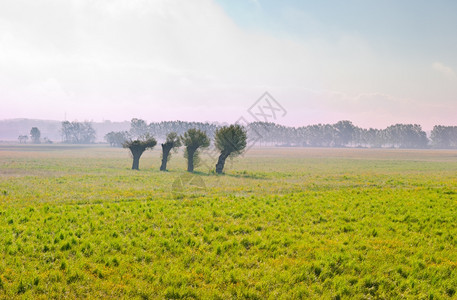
[[340, 134]]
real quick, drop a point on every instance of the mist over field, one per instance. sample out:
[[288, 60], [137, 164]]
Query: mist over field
[[228, 149]]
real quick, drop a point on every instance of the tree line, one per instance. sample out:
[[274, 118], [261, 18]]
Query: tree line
[[340, 134], [343, 134], [346, 134]]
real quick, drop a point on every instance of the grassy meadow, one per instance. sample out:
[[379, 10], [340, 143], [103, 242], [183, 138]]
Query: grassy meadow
[[282, 223]]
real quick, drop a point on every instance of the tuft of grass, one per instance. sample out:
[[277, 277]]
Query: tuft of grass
[[21, 289]]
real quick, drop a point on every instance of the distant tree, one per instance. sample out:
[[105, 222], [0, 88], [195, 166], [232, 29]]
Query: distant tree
[[320, 135], [117, 138], [406, 136], [23, 139], [374, 138], [161, 129], [138, 128], [77, 132], [173, 142], [35, 134], [444, 137], [359, 137], [194, 140], [344, 133], [110, 138], [137, 147], [230, 141]]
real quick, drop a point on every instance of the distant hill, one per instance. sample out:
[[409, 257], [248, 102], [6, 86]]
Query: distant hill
[[12, 128]]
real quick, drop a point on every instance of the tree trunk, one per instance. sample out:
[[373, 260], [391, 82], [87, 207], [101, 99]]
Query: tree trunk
[[136, 153], [165, 152], [190, 160], [136, 162], [221, 162]]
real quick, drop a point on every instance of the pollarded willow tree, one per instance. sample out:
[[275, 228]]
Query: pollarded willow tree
[[194, 140], [173, 142], [137, 147], [230, 141]]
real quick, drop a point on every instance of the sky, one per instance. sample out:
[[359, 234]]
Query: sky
[[375, 63]]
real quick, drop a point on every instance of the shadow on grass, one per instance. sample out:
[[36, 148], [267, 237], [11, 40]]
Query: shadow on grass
[[200, 173], [245, 174]]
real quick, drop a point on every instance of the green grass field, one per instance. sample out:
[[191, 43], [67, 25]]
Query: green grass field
[[283, 223]]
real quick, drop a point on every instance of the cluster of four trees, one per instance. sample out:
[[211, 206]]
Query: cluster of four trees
[[230, 141]]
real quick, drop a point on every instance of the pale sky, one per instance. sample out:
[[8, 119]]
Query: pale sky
[[375, 63]]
